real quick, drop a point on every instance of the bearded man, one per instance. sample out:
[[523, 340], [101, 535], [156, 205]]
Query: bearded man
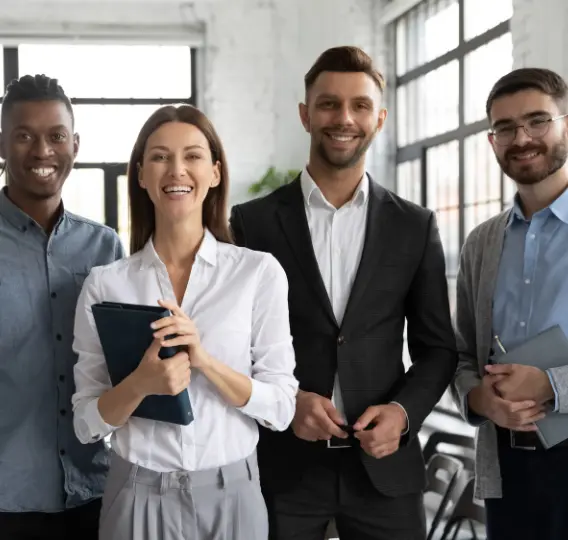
[[512, 285]]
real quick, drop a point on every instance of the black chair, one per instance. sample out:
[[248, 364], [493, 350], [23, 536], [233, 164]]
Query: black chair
[[442, 473], [466, 509], [463, 447]]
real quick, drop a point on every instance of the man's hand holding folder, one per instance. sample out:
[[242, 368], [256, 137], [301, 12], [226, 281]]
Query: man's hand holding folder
[[516, 382], [521, 415]]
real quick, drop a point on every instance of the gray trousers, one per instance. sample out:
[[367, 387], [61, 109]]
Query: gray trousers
[[216, 504]]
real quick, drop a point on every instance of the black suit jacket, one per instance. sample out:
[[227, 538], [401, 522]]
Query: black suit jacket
[[401, 276]]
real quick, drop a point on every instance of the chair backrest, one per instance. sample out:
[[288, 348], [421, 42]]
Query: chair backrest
[[466, 508], [459, 446], [441, 475]]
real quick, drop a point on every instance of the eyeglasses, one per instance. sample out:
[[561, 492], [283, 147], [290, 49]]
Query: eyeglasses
[[535, 127]]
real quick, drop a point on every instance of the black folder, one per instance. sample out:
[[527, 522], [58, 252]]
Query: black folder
[[125, 334]]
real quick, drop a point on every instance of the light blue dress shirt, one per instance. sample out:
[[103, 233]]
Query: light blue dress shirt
[[43, 467], [531, 293]]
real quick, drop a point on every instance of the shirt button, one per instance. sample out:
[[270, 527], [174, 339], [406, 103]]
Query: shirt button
[[527, 281], [63, 412], [62, 452], [58, 337], [61, 378], [533, 236], [523, 324], [53, 295]]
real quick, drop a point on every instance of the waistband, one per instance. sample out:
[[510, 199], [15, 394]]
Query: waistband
[[244, 469]]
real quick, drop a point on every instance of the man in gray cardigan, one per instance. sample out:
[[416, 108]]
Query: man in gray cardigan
[[513, 283]]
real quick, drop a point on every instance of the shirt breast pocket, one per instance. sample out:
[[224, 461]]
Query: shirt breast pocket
[[16, 316]]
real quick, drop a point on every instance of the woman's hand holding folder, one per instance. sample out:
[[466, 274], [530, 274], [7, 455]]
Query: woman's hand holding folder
[[156, 376], [153, 376]]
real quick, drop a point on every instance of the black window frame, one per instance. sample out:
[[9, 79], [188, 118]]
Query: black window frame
[[418, 150], [111, 170]]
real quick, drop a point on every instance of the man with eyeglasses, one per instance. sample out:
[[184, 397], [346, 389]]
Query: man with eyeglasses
[[512, 285]]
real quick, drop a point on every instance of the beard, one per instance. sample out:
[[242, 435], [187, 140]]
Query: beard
[[554, 159], [344, 160]]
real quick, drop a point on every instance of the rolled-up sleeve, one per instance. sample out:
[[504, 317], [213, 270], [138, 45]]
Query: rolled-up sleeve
[[90, 372], [274, 387]]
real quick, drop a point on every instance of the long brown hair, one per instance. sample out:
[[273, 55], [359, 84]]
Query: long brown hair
[[142, 217]]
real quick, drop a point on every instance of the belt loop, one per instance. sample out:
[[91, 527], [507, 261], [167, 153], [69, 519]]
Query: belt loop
[[132, 474], [163, 483]]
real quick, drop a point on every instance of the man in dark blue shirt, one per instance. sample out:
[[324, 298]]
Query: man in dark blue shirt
[[50, 484]]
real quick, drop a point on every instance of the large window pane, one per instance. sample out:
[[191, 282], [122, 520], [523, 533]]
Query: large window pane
[[112, 71], [428, 105], [408, 182], [482, 15], [442, 165], [123, 212], [482, 182], [483, 67], [84, 193], [509, 191], [426, 32], [108, 132]]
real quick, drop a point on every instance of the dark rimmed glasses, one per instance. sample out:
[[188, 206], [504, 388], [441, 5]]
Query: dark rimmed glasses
[[535, 127]]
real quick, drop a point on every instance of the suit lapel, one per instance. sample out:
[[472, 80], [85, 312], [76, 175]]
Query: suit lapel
[[379, 231], [294, 223]]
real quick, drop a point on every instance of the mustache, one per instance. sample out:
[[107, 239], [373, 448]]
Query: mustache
[[516, 150], [344, 130]]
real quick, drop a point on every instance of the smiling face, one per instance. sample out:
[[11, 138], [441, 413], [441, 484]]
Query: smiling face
[[529, 159], [342, 115], [39, 148], [177, 170]]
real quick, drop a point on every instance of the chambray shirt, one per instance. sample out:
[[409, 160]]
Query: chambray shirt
[[43, 467], [531, 293]]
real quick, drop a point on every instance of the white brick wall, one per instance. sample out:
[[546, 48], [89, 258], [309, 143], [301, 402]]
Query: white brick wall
[[256, 60], [255, 54], [539, 34]]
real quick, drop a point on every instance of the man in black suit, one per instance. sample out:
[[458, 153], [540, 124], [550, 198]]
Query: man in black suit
[[359, 261]]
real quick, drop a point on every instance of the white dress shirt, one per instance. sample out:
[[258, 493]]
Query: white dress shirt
[[338, 235], [238, 300]]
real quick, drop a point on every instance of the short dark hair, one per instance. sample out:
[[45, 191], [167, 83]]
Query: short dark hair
[[346, 59], [33, 88], [142, 217], [544, 80]]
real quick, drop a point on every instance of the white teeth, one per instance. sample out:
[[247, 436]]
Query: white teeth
[[178, 189], [342, 138], [526, 156], [44, 171]]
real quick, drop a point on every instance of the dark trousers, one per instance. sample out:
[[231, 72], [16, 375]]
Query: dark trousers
[[535, 495], [339, 488], [81, 523]]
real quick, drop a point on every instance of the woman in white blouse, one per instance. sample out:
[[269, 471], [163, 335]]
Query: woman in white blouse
[[229, 309]]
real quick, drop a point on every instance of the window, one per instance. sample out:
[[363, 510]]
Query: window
[[113, 93], [449, 53], [123, 212]]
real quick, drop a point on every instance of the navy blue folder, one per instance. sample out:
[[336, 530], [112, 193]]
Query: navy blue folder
[[125, 334]]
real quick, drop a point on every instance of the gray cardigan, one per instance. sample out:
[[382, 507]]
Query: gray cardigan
[[477, 275]]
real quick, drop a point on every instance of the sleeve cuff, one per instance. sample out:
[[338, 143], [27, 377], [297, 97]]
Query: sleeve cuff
[[91, 427], [553, 384], [255, 407], [405, 414]]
